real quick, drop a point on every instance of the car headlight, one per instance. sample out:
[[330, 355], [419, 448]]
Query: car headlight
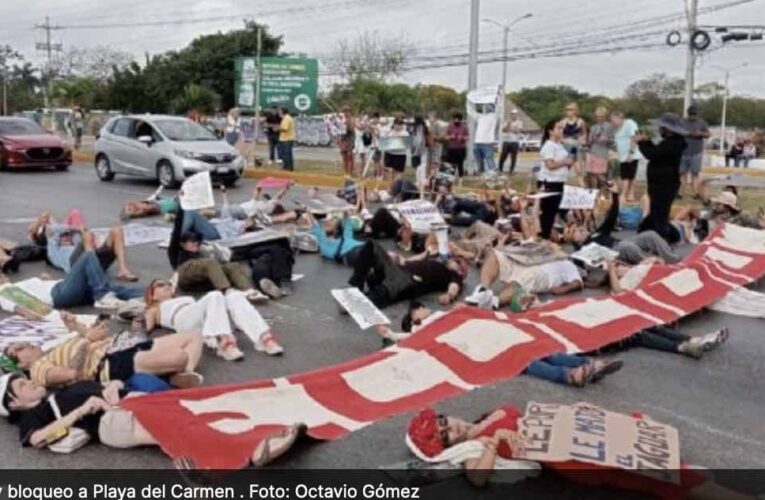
[[190, 155]]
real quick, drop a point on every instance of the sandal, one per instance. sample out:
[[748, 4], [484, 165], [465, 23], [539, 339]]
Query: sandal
[[276, 445], [603, 368], [580, 376]]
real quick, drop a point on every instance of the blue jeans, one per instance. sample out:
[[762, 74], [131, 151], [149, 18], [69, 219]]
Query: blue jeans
[[285, 153], [484, 156], [87, 282], [192, 221], [555, 368], [476, 210]]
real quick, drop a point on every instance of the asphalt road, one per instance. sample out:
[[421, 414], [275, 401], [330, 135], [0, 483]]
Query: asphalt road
[[717, 403]]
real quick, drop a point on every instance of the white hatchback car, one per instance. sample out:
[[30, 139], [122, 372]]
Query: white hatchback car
[[166, 148]]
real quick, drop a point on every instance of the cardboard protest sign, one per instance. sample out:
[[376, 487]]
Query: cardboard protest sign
[[420, 214], [323, 204], [272, 182], [137, 233], [583, 432], [15, 299], [578, 198], [361, 309], [196, 192], [252, 238], [44, 333], [594, 255]]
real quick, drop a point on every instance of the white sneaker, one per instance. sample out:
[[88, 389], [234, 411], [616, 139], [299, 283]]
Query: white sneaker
[[109, 301], [269, 345], [229, 352], [256, 296], [488, 301], [477, 296]]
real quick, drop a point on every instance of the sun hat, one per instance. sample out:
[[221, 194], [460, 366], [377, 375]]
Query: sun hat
[[671, 122], [728, 199]]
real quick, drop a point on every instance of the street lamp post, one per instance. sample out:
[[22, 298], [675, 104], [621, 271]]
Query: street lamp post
[[506, 30], [726, 93]]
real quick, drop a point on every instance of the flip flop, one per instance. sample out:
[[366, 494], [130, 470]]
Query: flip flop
[[265, 453], [609, 367], [127, 278]]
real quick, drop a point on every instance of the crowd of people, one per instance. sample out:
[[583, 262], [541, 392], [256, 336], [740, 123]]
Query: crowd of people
[[214, 291]]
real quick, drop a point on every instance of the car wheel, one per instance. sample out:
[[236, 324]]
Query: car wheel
[[230, 181], [166, 175], [104, 169]]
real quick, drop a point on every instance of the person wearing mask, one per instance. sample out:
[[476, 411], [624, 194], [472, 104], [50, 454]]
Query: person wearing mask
[[485, 138], [457, 135], [397, 139], [624, 130], [273, 123], [556, 163], [600, 141], [693, 154], [511, 143], [663, 171], [287, 136]]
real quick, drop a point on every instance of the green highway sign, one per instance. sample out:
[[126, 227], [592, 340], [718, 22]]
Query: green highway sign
[[285, 81]]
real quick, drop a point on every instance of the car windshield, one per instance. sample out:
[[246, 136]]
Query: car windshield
[[20, 127], [184, 130]]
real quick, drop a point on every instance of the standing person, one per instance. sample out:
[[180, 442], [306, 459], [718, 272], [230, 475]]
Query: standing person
[[395, 155], [556, 162], [420, 142], [734, 153], [624, 130], [601, 141], [437, 130], [690, 165], [363, 144], [457, 135], [663, 172], [374, 130], [574, 130], [485, 138], [77, 123], [287, 136], [749, 152], [511, 143], [233, 126], [273, 122], [347, 140]]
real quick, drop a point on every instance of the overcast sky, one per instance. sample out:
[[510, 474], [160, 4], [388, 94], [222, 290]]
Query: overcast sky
[[436, 27]]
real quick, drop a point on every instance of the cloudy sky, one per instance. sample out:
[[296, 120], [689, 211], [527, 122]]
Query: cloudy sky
[[437, 28]]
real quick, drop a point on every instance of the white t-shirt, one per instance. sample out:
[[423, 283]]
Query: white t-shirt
[[514, 129], [553, 151], [544, 277], [486, 128]]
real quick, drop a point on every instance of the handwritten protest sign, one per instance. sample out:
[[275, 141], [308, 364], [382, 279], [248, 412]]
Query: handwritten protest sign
[[421, 215], [578, 198], [15, 299], [587, 433], [594, 255], [197, 192], [44, 333], [361, 309], [137, 233]]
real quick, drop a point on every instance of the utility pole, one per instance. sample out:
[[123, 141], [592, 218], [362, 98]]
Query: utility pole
[[49, 48], [691, 11], [506, 31], [257, 91], [5, 87], [726, 94], [475, 7]]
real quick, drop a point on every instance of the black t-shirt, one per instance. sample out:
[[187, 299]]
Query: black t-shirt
[[273, 122], [68, 399], [418, 242], [432, 276]]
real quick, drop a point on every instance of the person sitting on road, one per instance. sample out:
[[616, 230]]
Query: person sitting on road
[[429, 434], [86, 357], [386, 281], [212, 316], [557, 277], [566, 369], [67, 241], [94, 408]]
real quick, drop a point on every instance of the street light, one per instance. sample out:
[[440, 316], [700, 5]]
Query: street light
[[506, 30], [725, 102]]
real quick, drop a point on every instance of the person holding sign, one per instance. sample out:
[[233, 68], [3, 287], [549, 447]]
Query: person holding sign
[[495, 437], [556, 163]]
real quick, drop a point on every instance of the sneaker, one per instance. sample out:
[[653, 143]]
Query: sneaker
[[692, 348], [270, 288], [108, 301], [256, 296], [186, 380], [711, 341], [269, 345], [477, 296], [488, 301], [229, 351], [210, 342]]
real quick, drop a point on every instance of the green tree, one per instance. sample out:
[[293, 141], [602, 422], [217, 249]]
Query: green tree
[[546, 102], [443, 100], [196, 98]]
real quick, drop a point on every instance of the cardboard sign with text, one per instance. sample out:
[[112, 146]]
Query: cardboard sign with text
[[196, 192], [578, 198], [420, 214], [586, 433], [360, 308]]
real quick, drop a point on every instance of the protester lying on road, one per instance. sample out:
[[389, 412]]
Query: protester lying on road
[[12, 258], [87, 357], [153, 205], [429, 434], [65, 242], [262, 208], [336, 241], [559, 368], [213, 316], [386, 281], [92, 409]]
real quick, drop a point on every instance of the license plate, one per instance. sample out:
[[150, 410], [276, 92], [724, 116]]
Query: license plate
[[222, 170]]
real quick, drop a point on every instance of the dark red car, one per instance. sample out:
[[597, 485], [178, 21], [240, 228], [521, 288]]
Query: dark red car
[[25, 144]]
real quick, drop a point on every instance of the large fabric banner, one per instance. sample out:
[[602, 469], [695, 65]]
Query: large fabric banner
[[219, 426]]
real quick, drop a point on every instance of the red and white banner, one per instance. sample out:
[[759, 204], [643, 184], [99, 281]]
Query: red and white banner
[[219, 426]]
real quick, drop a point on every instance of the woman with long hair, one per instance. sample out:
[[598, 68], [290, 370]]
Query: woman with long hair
[[347, 140], [574, 131], [556, 162], [212, 316], [601, 142]]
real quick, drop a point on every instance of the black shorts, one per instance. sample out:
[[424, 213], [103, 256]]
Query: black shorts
[[377, 155], [395, 162], [628, 170], [416, 161], [456, 156], [104, 253], [121, 364]]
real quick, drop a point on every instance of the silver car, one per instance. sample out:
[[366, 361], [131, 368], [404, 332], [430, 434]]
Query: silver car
[[166, 148]]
